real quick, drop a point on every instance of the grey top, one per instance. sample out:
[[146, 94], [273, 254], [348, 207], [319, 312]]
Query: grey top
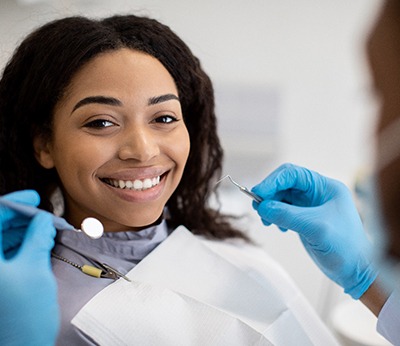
[[121, 250]]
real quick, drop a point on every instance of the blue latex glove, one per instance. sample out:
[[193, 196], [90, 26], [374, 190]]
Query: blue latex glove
[[14, 228], [322, 212], [28, 293]]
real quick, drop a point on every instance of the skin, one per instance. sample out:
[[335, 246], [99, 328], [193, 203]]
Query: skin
[[120, 119], [375, 297], [383, 49]]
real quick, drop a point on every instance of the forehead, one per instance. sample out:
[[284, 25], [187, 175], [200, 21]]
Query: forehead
[[125, 72]]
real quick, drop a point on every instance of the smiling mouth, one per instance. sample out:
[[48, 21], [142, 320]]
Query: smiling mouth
[[136, 185]]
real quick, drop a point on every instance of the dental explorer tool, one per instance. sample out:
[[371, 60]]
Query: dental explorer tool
[[90, 226], [244, 189]]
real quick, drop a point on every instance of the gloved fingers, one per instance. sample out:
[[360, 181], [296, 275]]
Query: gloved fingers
[[264, 221], [9, 219], [12, 219], [287, 178], [29, 197], [39, 238], [287, 216], [255, 207], [12, 239]]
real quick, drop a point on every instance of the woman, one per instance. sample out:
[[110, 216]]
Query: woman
[[115, 119]]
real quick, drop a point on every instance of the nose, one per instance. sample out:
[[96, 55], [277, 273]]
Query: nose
[[139, 144]]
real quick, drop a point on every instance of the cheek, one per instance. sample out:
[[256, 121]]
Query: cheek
[[79, 159], [182, 148]]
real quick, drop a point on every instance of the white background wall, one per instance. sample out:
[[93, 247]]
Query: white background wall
[[291, 85]]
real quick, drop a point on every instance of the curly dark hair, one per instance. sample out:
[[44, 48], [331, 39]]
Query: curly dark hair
[[38, 74]]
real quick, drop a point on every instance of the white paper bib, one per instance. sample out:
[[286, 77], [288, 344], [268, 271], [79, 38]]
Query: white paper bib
[[183, 293]]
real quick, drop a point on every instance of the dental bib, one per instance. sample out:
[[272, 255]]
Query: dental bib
[[184, 293]]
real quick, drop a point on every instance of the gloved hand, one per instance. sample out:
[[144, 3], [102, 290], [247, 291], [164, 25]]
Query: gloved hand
[[28, 292], [14, 228], [322, 212]]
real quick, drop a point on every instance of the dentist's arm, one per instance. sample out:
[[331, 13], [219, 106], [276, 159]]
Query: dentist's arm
[[28, 292], [322, 212], [375, 297]]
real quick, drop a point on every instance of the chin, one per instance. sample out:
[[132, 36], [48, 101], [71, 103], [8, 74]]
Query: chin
[[146, 221]]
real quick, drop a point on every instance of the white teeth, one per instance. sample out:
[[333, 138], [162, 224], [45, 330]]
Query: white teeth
[[135, 184], [147, 183], [138, 184]]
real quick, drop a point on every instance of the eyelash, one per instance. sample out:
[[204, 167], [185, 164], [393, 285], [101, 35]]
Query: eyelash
[[166, 119], [99, 123], [104, 123]]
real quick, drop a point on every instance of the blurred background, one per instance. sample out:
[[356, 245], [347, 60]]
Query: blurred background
[[292, 85]]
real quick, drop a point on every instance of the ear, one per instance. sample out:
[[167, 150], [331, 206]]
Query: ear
[[42, 152]]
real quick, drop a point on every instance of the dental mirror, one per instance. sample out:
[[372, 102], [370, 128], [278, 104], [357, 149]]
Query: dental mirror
[[90, 226]]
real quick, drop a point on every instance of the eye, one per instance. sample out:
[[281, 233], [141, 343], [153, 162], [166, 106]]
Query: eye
[[99, 123], [165, 119]]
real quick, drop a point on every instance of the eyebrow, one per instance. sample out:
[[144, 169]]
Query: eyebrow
[[97, 99], [162, 98], [111, 101]]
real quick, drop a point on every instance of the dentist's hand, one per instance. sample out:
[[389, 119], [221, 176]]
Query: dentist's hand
[[322, 212], [15, 225], [28, 292]]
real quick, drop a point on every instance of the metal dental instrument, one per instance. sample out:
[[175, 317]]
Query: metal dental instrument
[[113, 273], [90, 226], [97, 270], [244, 189]]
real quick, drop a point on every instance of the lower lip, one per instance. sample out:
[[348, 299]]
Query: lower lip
[[139, 196]]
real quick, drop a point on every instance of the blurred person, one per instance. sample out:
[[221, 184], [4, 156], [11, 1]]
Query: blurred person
[[321, 209]]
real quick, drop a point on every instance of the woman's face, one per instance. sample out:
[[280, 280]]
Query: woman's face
[[119, 141]]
